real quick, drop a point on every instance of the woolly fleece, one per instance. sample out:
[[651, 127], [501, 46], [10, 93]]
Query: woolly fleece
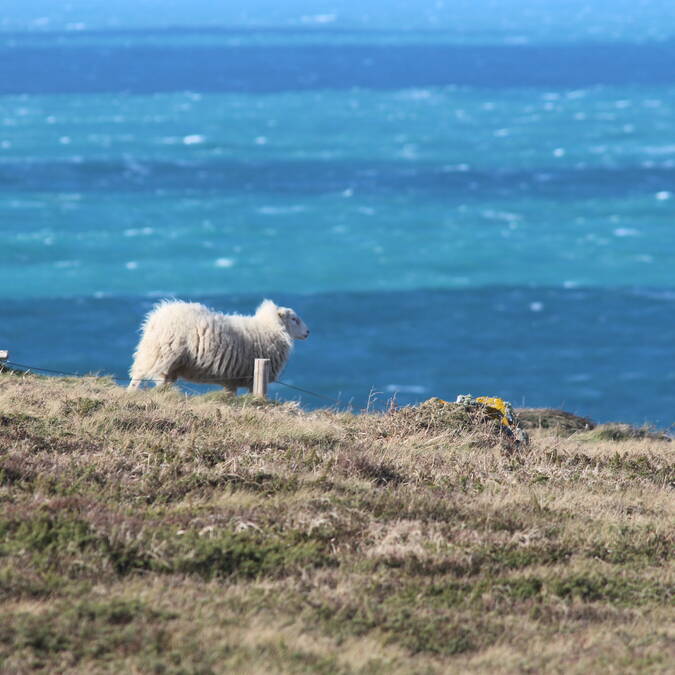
[[190, 341]]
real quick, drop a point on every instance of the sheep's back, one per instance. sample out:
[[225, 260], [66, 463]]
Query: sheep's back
[[174, 321], [244, 339], [210, 346]]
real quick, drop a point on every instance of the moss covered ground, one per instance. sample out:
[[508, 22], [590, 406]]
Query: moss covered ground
[[155, 532]]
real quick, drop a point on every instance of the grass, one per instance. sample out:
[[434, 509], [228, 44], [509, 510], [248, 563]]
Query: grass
[[154, 532]]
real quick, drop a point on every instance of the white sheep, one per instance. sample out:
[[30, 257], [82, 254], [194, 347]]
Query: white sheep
[[193, 342]]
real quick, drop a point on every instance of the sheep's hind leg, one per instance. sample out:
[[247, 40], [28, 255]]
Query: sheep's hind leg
[[138, 379]]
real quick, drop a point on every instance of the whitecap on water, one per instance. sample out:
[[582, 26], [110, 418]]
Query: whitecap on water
[[415, 94], [405, 389], [132, 165], [319, 19], [160, 294], [663, 195], [131, 265], [138, 232], [24, 204], [224, 262], [667, 295], [193, 139], [506, 216], [280, 210], [578, 377], [626, 232], [409, 151], [451, 168], [536, 306], [542, 177], [660, 149]]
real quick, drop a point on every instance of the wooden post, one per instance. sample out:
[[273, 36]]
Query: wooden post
[[261, 376], [4, 354]]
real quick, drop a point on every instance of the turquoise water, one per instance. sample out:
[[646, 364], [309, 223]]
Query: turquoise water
[[449, 216]]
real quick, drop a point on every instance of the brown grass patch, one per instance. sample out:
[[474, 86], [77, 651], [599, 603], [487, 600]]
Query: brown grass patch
[[157, 532]]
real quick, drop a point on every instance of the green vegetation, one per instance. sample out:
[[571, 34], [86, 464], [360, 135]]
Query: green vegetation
[[154, 532]]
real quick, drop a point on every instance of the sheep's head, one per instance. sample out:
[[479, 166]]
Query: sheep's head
[[295, 326]]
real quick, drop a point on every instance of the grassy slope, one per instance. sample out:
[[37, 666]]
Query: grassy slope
[[151, 532]]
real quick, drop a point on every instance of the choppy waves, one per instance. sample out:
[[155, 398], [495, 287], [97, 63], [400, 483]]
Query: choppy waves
[[516, 221]]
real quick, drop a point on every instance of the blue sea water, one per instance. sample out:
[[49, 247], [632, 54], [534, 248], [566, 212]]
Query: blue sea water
[[478, 206]]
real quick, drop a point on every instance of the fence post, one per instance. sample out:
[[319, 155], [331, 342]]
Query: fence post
[[4, 355], [261, 376]]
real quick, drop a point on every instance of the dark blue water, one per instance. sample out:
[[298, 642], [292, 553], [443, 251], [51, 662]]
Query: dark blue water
[[76, 69], [516, 343]]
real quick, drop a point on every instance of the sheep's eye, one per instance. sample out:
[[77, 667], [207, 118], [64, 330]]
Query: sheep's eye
[[295, 320]]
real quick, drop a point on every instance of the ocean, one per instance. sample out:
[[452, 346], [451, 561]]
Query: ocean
[[478, 207]]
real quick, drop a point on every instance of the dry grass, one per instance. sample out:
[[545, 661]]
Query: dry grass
[[152, 532]]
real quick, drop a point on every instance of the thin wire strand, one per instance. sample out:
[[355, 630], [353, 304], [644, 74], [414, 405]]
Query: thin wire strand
[[14, 364], [114, 377], [311, 393]]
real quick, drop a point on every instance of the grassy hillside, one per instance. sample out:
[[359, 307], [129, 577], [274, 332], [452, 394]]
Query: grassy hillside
[[152, 532]]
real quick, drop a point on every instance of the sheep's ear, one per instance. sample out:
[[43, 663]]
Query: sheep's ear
[[282, 312]]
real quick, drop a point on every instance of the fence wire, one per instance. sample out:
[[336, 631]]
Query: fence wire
[[39, 369]]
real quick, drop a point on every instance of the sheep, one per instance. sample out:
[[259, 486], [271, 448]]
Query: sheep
[[195, 343]]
